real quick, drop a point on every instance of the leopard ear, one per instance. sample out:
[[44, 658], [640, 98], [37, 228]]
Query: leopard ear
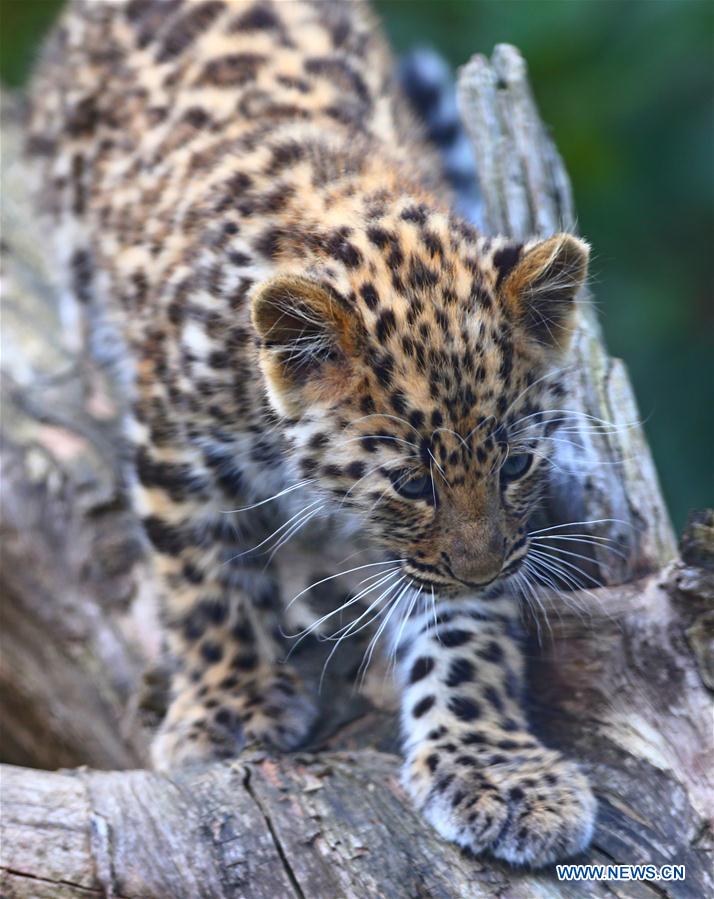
[[308, 341], [542, 285]]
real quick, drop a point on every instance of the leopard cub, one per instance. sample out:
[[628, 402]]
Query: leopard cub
[[313, 342]]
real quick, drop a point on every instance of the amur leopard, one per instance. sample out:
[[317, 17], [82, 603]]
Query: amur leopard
[[316, 342]]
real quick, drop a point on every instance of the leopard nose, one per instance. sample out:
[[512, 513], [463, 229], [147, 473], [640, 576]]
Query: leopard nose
[[477, 557]]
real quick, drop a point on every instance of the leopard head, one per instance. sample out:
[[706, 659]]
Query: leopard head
[[418, 387]]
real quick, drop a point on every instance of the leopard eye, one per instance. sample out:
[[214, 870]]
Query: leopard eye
[[412, 488], [516, 466]]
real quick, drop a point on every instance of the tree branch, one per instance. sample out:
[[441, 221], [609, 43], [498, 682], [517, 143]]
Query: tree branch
[[619, 688]]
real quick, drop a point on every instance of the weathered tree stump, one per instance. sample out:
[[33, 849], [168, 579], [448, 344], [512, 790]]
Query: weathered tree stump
[[622, 675]]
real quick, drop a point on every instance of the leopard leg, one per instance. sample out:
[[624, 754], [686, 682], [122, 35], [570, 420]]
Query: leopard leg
[[222, 613], [230, 686], [472, 766]]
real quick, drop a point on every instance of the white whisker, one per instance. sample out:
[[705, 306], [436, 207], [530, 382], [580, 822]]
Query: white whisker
[[381, 579], [352, 630], [566, 552], [349, 628], [559, 563], [570, 524], [270, 498], [331, 577], [283, 526], [292, 531], [405, 618], [367, 657]]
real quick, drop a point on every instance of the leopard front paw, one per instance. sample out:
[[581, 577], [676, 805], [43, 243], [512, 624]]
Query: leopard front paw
[[528, 811], [554, 817], [278, 713], [212, 723], [185, 741]]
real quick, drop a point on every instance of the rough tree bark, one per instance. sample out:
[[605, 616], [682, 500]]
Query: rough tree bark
[[622, 675]]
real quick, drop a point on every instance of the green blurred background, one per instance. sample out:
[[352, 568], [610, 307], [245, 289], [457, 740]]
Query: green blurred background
[[627, 87]]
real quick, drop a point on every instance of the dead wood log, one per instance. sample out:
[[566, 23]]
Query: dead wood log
[[621, 676], [69, 547], [624, 693]]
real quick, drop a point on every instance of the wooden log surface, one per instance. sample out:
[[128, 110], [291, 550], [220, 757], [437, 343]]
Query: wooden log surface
[[621, 676], [620, 686]]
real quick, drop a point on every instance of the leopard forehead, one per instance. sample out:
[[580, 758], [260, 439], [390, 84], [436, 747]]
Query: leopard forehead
[[439, 348], [443, 369]]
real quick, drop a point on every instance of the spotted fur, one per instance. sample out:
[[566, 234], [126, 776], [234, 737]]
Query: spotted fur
[[313, 341]]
